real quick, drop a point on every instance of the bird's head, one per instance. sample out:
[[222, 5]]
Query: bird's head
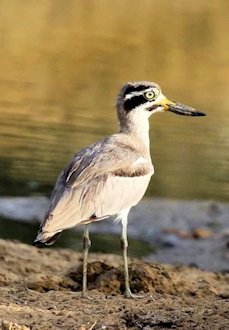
[[147, 97]]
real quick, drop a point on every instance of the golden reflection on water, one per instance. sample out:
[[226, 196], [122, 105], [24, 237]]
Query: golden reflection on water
[[62, 64]]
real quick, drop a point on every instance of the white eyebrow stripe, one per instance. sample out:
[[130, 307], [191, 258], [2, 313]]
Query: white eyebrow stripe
[[132, 94]]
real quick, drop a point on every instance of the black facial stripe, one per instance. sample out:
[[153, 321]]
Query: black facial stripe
[[138, 88], [134, 102]]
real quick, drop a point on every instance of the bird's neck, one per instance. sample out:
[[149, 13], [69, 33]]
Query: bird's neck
[[137, 127]]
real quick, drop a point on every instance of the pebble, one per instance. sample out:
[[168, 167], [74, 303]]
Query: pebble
[[202, 233]]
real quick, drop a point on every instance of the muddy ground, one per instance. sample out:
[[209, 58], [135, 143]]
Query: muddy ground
[[40, 289]]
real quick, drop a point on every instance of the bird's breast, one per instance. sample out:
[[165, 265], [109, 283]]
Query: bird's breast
[[139, 168], [125, 191]]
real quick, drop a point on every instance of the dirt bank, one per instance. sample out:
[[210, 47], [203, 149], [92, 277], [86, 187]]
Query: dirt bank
[[40, 289]]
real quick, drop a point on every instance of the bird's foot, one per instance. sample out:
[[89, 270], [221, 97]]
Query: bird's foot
[[84, 295], [129, 295]]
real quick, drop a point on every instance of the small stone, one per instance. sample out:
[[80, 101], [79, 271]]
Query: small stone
[[13, 326], [170, 241], [202, 233]]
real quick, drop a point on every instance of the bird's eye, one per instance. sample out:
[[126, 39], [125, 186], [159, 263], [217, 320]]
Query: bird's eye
[[149, 95]]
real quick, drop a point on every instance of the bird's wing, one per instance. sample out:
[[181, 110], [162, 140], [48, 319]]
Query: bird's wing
[[76, 196]]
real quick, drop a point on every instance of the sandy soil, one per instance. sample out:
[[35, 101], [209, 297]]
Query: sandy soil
[[40, 289]]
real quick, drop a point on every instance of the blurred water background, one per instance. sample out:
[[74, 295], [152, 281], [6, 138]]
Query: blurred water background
[[63, 62]]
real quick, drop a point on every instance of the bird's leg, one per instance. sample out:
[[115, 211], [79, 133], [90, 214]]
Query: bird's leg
[[86, 247], [124, 246]]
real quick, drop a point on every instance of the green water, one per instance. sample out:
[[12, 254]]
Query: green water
[[63, 62], [105, 243]]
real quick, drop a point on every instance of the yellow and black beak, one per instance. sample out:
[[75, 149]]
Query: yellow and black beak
[[181, 109]]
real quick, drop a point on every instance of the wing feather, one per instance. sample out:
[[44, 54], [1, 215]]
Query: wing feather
[[84, 189]]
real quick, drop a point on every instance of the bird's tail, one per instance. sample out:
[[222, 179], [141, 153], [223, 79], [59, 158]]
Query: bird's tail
[[45, 238]]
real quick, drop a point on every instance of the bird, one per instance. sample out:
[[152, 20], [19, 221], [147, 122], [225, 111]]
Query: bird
[[109, 177]]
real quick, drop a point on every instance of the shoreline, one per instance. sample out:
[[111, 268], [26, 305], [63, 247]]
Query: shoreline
[[184, 232]]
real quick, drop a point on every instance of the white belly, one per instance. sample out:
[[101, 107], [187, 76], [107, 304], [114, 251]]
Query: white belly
[[120, 193]]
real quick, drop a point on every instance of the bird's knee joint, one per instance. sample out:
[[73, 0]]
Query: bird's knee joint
[[86, 242], [124, 244]]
